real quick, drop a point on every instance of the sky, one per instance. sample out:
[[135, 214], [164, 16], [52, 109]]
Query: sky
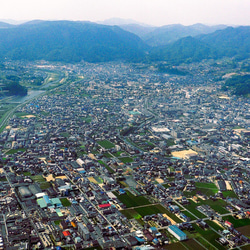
[[152, 12]]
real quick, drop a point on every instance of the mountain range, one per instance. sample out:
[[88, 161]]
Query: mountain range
[[70, 41]]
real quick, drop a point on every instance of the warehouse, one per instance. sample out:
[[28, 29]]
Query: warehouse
[[177, 233]]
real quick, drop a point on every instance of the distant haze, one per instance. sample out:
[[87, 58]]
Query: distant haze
[[151, 12]]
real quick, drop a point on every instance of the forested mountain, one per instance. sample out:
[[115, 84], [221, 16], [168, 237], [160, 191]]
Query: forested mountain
[[170, 33], [231, 42], [186, 50], [69, 42]]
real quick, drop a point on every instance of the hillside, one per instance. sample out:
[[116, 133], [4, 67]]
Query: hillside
[[171, 33], [185, 50], [69, 42], [230, 42]]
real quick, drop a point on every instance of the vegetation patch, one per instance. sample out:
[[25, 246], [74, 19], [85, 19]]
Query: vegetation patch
[[126, 159], [192, 207], [65, 202], [14, 151], [237, 222], [106, 166], [229, 194], [106, 144], [129, 200], [26, 173], [210, 236], [38, 178], [214, 225], [131, 214]]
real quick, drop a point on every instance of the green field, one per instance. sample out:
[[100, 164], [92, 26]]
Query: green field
[[140, 212], [130, 200], [65, 202], [217, 205], [13, 151], [214, 225], [106, 144], [38, 178], [106, 166], [192, 208], [126, 159], [210, 236], [229, 194], [237, 222]]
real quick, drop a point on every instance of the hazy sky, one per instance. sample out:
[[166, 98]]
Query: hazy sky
[[154, 12]]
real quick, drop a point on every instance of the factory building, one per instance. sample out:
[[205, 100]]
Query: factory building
[[177, 233]]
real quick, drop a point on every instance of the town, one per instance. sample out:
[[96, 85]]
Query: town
[[122, 156]]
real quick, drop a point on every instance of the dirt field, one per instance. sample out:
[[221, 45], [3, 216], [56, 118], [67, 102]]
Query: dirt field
[[184, 153]]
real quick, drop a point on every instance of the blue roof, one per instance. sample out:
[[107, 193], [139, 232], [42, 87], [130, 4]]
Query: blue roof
[[139, 239], [154, 229], [177, 230], [46, 199]]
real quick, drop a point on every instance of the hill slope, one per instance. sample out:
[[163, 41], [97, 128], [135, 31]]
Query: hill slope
[[231, 42], [69, 42], [170, 33]]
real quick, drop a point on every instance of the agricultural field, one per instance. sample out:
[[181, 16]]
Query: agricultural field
[[126, 159], [140, 212], [129, 200], [42, 182], [65, 202], [13, 151], [237, 222], [245, 230], [106, 144]]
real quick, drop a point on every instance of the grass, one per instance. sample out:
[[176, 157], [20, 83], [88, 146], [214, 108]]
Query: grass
[[129, 200], [117, 154], [106, 166], [14, 151], [214, 225], [57, 222], [229, 194], [237, 222], [45, 185], [38, 178], [65, 202], [189, 215], [192, 207], [217, 205], [107, 155], [126, 159], [106, 144], [26, 173], [210, 236], [140, 212], [99, 179]]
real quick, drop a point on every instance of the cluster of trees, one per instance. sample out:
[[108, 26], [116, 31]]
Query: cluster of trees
[[14, 88], [239, 84]]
